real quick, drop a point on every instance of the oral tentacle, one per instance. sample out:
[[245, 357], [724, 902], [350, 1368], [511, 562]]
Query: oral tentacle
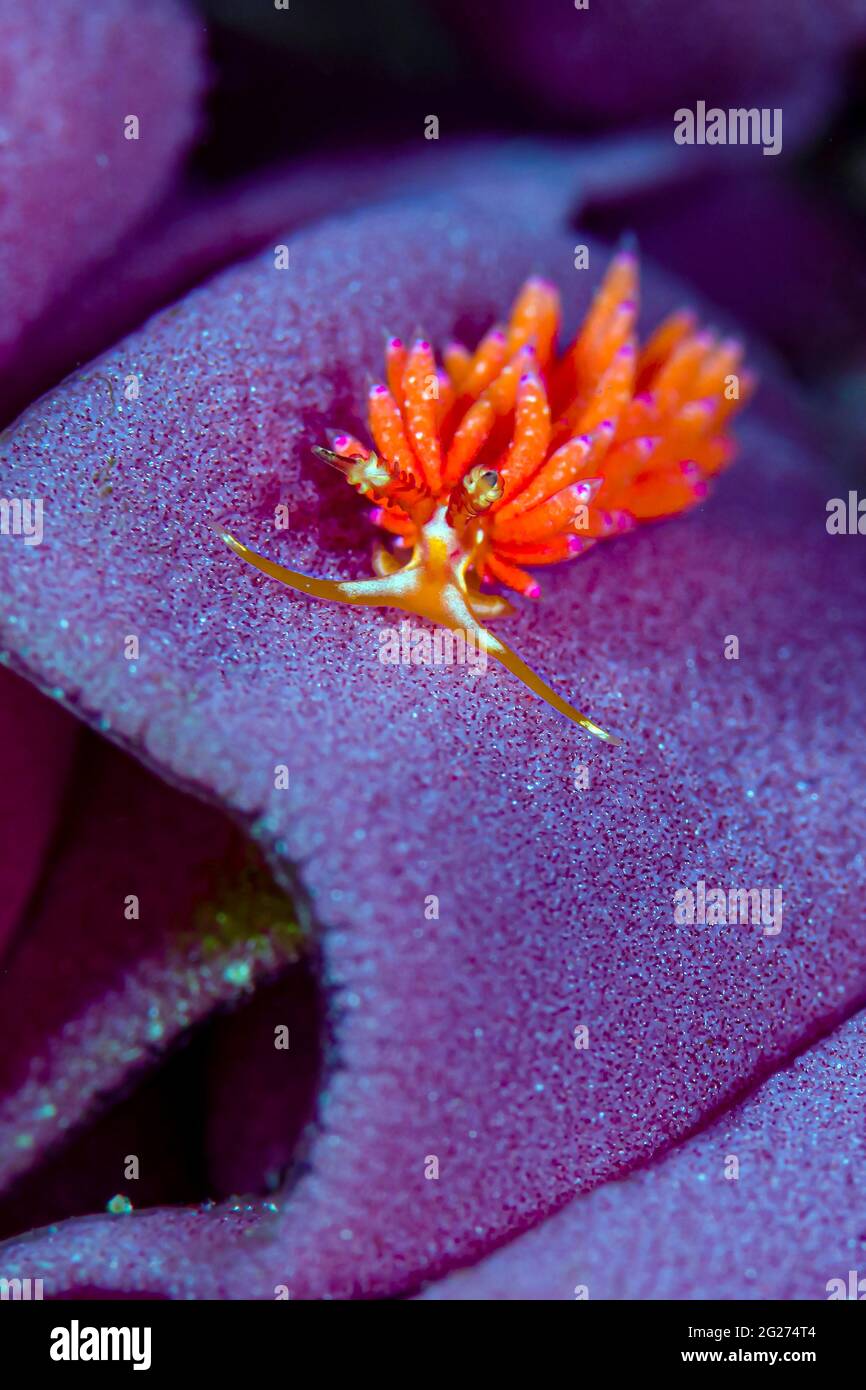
[[385, 562], [457, 614], [368, 593], [488, 605], [495, 647]]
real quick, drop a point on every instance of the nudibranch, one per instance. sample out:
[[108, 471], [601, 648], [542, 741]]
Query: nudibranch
[[516, 456]]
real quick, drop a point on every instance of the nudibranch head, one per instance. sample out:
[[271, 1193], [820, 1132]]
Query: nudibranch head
[[517, 456]]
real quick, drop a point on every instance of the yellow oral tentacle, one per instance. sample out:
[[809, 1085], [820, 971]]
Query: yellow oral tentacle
[[488, 605], [525, 673], [385, 563], [456, 613], [364, 592]]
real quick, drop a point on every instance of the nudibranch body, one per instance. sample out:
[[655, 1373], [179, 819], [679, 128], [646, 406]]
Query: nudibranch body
[[515, 456]]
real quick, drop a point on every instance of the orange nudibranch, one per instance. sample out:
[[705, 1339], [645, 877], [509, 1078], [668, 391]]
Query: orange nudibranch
[[517, 456]]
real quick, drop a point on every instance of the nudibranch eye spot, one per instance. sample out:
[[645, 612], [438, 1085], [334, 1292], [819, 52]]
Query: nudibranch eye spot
[[515, 456]]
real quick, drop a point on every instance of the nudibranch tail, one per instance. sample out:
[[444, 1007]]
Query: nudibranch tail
[[519, 454]]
